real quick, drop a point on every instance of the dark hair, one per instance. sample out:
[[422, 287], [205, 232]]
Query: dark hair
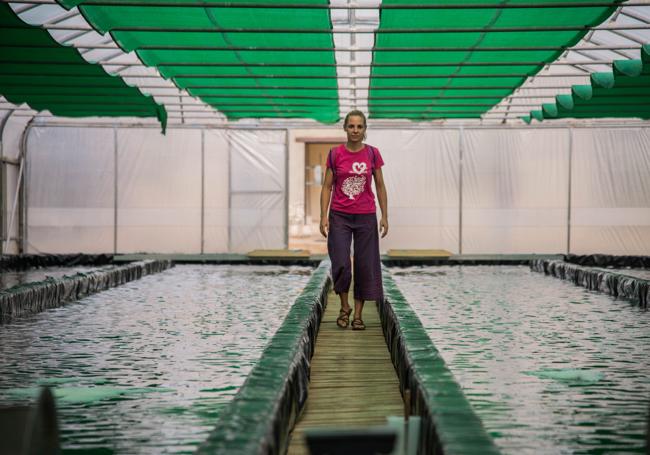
[[355, 113]]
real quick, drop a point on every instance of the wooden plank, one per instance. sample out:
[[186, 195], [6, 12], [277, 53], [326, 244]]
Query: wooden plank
[[353, 381], [418, 254], [274, 254]]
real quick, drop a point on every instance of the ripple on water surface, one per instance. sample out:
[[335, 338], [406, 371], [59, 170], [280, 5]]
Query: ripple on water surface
[[549, 367], [147, 366]]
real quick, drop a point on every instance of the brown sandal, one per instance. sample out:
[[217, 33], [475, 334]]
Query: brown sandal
[[358, 324], [344, 318]]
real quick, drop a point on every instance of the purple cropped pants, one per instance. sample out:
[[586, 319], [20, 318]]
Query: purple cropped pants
[[362, 227]]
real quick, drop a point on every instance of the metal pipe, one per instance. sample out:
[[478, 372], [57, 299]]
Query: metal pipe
[[556, 28], [286, 188], [6, 160], [314, 65], [376, 76], [115, 188], [461, 146], [280, 87], [202, 191], [230, 217], [3, 181], [329, 76], [275, 124], [594, 47], [568, 234], [268, 96], [21, 156], [280, 5]]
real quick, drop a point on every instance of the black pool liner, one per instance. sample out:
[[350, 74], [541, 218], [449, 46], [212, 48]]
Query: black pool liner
[[27, 261], [614, 283], [449, 424], [264, 411], [606, 260], [35, 297]]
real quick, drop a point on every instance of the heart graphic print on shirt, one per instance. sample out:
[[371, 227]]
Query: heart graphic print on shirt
[[353, 186]]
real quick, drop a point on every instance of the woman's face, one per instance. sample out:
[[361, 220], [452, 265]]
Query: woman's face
[[355, 128]]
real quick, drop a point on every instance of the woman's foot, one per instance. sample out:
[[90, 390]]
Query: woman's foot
[[344, 317], [357, 324]]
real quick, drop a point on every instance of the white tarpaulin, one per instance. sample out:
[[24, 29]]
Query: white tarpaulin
[[475, 190], [129, 190]]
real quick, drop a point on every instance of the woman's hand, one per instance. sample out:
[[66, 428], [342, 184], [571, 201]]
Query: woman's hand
[[324, 226], [383, 227]]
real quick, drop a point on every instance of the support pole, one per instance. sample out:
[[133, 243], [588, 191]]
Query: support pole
[[18, 193], [4, 236], [461, 146], [568, 214], [229, 191], [202, 191], [115, 180], [286, 188]]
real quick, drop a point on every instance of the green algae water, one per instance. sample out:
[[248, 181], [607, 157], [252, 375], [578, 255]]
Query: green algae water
[[145, 368], [549, 367]]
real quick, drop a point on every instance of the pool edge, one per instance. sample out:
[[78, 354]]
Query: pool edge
[[614, 283], [264, 410], [36, 297], [449, 424]]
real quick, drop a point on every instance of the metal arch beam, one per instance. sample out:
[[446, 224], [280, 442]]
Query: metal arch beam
[[627, 36], [24, 9], [60, 18], [3, 181], [635, 15], [19, 189], [616, 51]]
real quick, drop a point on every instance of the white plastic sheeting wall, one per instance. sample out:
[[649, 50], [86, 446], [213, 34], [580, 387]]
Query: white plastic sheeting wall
[[515, 191], [70, 181], [610, 196], [524, 190], [473, 190], [128, 190], [422, 176], [258, 173]]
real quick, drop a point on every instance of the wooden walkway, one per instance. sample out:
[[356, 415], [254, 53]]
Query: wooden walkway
[[353, 381]]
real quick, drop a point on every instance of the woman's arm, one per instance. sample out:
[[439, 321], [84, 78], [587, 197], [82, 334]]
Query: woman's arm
[[383, 201], [325, 196]]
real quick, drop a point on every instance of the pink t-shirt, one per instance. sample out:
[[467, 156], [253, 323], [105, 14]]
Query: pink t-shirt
[[352, 190]]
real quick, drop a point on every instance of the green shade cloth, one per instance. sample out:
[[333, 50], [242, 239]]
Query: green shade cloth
[[204, 68], [471, 67], [58, 79], [625, 92]]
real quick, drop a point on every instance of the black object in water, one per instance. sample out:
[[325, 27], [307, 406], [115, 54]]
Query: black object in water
[[30, 430]]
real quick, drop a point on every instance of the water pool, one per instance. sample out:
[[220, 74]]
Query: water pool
[[548, 366], [146, 367]]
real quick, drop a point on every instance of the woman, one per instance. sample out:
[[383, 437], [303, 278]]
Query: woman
[[352, 215]]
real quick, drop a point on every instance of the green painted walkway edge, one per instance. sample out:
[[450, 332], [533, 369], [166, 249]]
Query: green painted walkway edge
[[449, 424], [261, 415]]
